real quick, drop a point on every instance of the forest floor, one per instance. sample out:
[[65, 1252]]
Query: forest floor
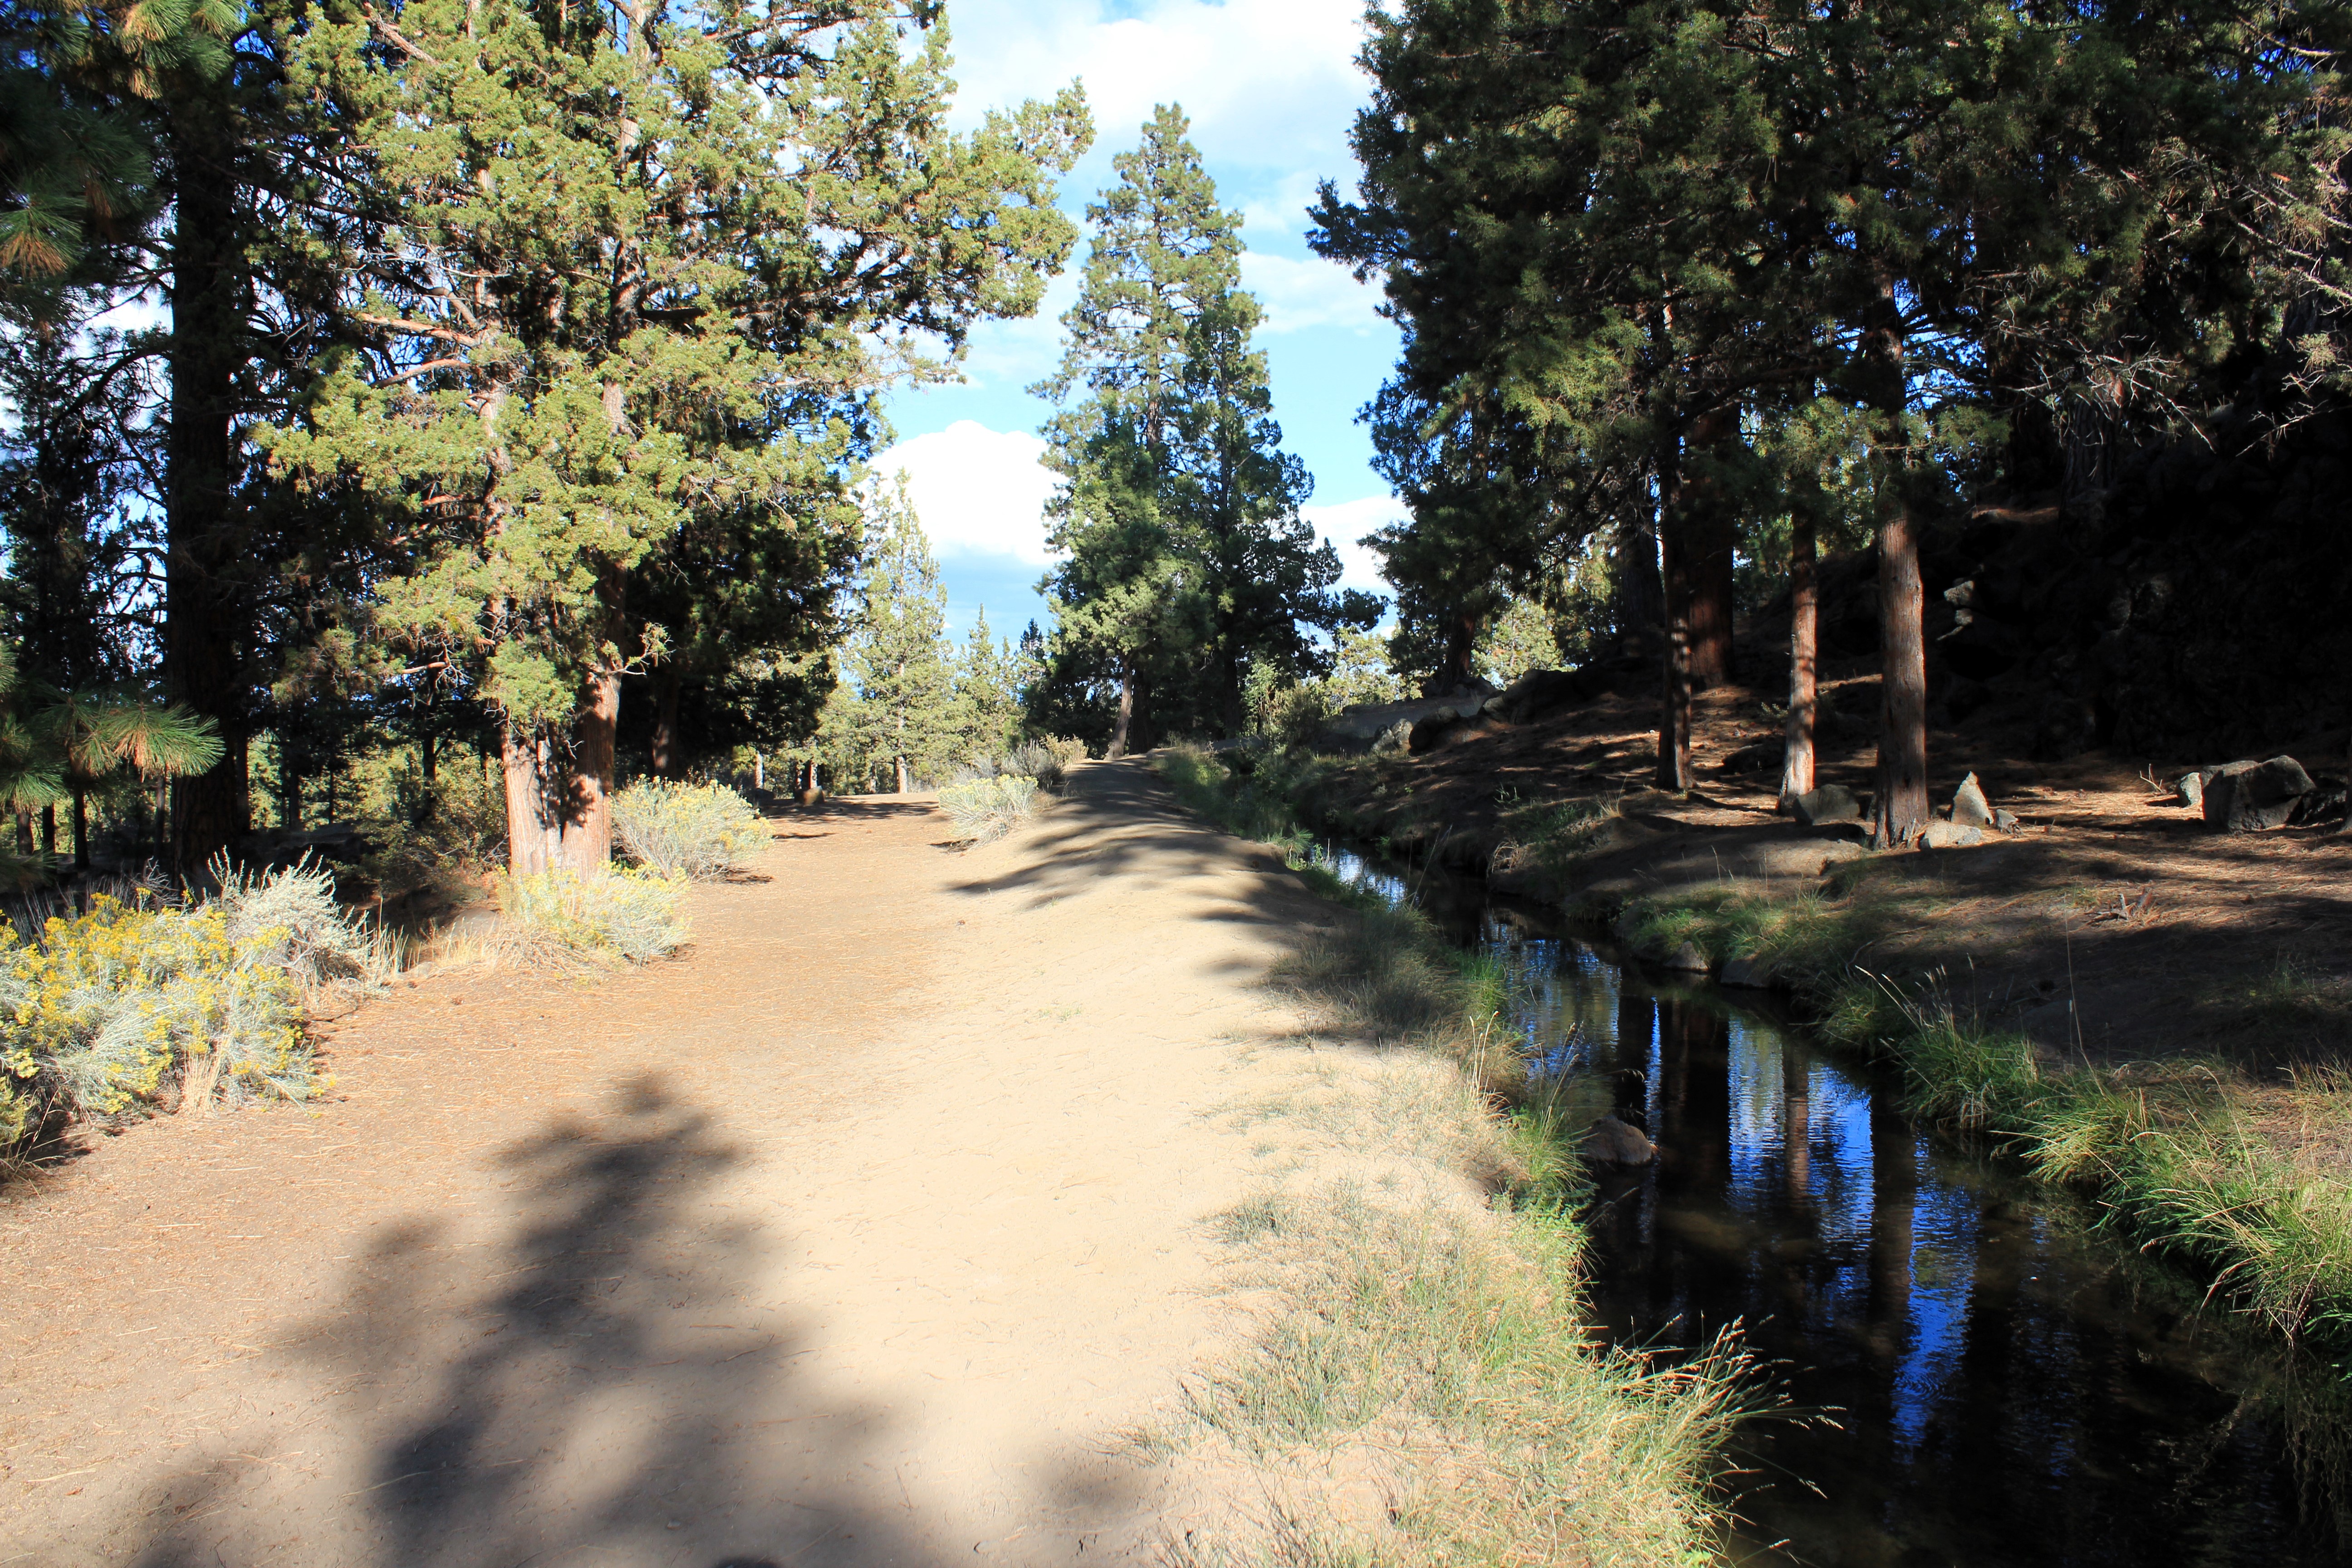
[[859, 1233], [2113, 924]]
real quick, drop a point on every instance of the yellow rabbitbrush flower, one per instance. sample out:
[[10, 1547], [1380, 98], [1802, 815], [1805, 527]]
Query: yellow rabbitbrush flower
[[109, 1004]]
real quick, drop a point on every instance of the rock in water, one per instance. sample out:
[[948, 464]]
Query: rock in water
[[1831, 803], [1969, 806], [2249, 797], [1749, 973], [1614, 1142]]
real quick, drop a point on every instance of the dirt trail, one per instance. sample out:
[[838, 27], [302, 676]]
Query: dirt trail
[[855, 1236]]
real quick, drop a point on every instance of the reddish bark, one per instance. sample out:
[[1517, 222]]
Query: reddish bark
[[1709, 535]]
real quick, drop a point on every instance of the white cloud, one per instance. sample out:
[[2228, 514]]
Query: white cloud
[[1317, 293], [1344, 524], [978, 491], [1269, 84]]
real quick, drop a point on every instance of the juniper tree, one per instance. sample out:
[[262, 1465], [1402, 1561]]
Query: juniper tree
[[648, 264]]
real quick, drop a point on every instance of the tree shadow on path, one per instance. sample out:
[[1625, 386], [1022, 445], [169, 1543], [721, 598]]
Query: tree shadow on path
[[597, 1387]]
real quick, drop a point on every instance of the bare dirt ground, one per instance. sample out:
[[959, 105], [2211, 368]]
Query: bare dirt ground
[[855, 1235]]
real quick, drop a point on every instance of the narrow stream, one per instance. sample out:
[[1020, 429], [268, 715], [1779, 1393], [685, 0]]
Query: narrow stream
[[1992, 1379]]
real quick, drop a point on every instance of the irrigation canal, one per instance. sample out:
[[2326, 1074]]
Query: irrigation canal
[[1976, 1376]]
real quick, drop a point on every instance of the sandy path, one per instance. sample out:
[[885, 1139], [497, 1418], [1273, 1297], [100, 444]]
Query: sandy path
[[854, 1236]]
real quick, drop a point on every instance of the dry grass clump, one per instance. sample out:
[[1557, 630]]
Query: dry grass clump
[[988, 808], [1428, 1350], [699, 832], [560, 918]]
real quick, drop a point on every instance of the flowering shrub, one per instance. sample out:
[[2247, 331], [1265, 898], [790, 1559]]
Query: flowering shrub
[[104, 1010], [685, 830]]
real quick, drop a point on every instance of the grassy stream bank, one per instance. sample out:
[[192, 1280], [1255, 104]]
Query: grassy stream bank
[[2239, 1177], [1426, 1347]]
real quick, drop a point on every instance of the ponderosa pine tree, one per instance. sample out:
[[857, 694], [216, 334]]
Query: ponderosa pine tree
[[987, 694], [647, 264], [1616, 234], [895, 714], [1187, 559]]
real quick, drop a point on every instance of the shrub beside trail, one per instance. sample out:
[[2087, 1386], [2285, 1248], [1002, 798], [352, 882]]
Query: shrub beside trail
[[141, 1001], [699, 832], [621, 915]]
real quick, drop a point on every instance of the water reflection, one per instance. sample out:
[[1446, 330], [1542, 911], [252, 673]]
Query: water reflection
[[2009, 1388]]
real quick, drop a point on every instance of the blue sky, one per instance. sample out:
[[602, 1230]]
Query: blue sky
[[1272, 90]]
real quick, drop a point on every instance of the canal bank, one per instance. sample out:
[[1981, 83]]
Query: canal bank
[[1976, 1370]]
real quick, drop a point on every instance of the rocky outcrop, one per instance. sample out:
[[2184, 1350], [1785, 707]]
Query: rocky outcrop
[[2250, 796]]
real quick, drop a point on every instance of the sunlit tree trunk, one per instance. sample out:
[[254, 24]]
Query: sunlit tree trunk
[[1124, 730], [1804, 658], [586, 838], [1674, 698]]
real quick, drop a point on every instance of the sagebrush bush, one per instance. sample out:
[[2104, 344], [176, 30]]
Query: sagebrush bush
[[289, 919], [622, 915], [113, 1008], [982, 809], [698, 831], [1044, 761]]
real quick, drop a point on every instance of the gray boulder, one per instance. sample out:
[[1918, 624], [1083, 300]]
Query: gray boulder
[[1950, 836], [1614, 1142], [2191, 788], [2004, 820], [2251, 798], [1748, 973], [1830, 803], [1969, 806]]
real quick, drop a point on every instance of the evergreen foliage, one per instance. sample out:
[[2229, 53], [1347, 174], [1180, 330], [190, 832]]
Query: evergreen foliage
[[1666, 268], [894, 720], [778, 222], [1185, 561]]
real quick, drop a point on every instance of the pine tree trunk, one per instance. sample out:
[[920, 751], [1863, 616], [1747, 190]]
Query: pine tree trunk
[[668, 759], [899, 765], [1674, 702], [1903, 680], [80, 829], [1710, 535], [1121, 730], [25, 833], [48, 830], [1805, 658], [1674, 697], [1902, 808], [203, 556]]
